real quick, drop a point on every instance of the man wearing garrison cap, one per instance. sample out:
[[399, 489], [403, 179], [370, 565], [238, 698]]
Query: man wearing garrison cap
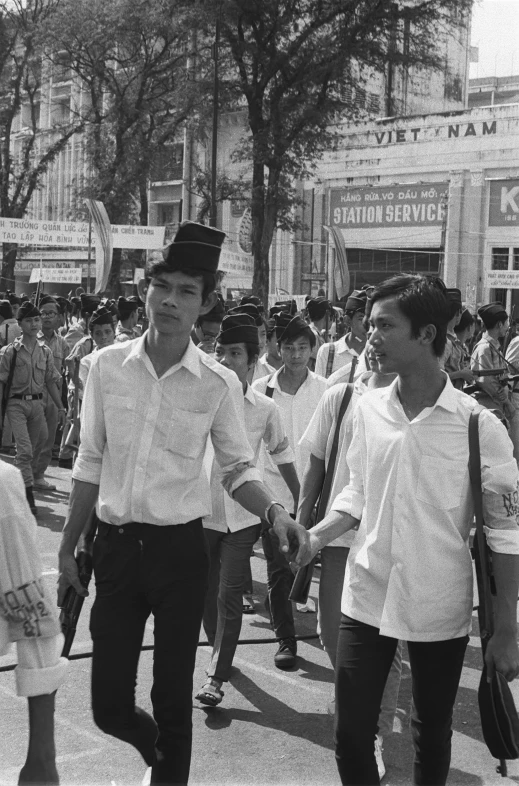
[[128, 310], [297, 391], [260, 368], [230, 530], [487, 357], [149, 407], [207, 326], [347, 350], [317, 308], [29, 366]]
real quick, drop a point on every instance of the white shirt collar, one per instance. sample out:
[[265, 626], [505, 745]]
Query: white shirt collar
[[250, 395], [448, 398], [190, 360]]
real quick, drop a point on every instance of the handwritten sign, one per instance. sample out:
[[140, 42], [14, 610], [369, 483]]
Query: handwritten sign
[[56, 275], [27, 231], [502, 279]]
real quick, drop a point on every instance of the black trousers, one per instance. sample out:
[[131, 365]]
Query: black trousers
[[279, 583], [364, 658], [142, 569]]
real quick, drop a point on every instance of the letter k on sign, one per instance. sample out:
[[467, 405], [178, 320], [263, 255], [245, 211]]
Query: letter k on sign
[[508, 199]]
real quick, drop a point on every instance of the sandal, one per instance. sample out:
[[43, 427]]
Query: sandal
[[210, 694]]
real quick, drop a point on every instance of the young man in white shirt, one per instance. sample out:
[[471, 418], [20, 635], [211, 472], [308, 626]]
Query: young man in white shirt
[[149, 407], [317, 309], [231, 531], [297, 391], [409, 573], [345, 353]]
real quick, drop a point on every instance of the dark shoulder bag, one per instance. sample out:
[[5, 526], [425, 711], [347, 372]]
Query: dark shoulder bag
[[499, 720], [303, 579]]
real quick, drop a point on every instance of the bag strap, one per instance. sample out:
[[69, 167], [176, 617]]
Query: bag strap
[[481, 555], [329, 362], [330, 469], [269, 392], [354, 363]]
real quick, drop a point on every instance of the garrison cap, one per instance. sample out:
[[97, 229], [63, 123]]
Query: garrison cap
[[216, 314], [63, 303], [89, 303], [101, 316], [357, 300], [6, 311], [317, 307], [289, 327], [251, 310], [237, 328], [454, 295], [27, 310], [195, 246], [493, 310], [126, 306], [290, 306], [254, 300], [13, 299], [48, 299]]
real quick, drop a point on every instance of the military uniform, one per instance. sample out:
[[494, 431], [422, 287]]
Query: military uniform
[[25, 411], [59, 348], [125, 334]]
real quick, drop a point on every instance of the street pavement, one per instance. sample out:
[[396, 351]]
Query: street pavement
[[272, 726]]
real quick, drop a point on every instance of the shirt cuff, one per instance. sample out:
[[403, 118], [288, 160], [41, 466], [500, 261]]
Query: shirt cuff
[[88, 470], [233, 483], [283, 457], [349, 501], [502, 541], [41, 669]]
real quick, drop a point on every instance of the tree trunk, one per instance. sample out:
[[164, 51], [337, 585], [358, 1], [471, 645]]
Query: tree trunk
[[9, 251], [264, 219], [114, 287]]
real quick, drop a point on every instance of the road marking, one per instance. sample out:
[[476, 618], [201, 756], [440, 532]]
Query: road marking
[[12, 772], [51, 572]]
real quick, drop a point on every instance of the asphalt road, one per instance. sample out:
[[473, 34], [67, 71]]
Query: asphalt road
[[271, 728]]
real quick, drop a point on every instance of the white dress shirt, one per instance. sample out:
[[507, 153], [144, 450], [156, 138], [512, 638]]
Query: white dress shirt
[[143, 438], [28, 616], [263, 425], [409, 571], [296, 412], [343, 356]]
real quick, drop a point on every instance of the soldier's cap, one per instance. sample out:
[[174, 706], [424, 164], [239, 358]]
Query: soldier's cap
[[317, 307], [454, 295], [6, 311], [357, 300], [217, 313], [251, 310], [125, 306], [289, 327], [195, 246], [254, 300], [494, 310], [101, 316], [48, 299], [13, 299], [89, 303], [63, 302], [290, 306], [238, 328], [275, 310], [27, 310]]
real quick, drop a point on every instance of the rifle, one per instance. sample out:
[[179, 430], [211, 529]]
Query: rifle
[[72, 440], [73, 602]]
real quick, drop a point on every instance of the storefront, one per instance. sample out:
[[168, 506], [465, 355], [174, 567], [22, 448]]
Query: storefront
[[429, 194]]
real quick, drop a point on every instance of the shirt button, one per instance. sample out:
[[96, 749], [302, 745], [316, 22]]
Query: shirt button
[[121, 530]]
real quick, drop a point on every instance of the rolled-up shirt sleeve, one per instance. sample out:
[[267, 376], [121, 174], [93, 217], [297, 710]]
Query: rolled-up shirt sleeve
[[231, 446], [352, 498], [499, 479], [87, 466]]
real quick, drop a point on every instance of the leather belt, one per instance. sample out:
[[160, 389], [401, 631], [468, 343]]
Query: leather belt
[[28, 396]]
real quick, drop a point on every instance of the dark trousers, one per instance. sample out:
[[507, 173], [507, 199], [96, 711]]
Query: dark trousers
[[141, 569], [364, 658], [279, 583]]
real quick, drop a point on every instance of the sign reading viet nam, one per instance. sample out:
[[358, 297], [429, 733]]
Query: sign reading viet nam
[[504, 203], [418, 204], [502, 279], [29, 231], [56, 275]]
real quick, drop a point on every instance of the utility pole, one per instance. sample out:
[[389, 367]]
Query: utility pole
[[214, 152]]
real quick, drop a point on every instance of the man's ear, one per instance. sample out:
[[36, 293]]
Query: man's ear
[[142, 288], [208, 304], [428, 334]]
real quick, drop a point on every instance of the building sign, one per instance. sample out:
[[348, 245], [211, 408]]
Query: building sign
[[75, 234], [504, 203], [419, 204], [502, 279], [451, 130], [56, 275]]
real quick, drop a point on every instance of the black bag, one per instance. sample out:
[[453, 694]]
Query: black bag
[[499, 720]]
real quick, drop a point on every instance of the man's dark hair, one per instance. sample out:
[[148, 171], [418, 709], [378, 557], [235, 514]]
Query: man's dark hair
[[422, 300], [454, 308], [252, 351], [491, 320], [303, 333], [466, 321], [208, 280]]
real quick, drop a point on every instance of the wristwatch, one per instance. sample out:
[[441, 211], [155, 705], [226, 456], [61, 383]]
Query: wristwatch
[[268, 509]]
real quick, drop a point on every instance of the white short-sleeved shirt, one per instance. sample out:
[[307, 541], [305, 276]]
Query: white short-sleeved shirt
[[409, 571]]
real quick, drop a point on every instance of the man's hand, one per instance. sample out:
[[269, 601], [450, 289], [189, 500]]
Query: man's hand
[[502, 655], [293, 538], [68, 576], [62, 416], [466, 375]]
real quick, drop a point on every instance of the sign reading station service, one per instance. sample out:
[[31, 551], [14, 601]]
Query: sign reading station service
[[365, 207], [504, 203]]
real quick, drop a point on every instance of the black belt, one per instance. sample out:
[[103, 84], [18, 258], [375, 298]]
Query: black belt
[[28, 396]]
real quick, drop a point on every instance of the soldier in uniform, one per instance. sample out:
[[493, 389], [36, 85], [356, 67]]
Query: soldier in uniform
[[452, 359], [32, 367], [347, 350], [128, 317], [487, 356], [50, 317], [148, 410]]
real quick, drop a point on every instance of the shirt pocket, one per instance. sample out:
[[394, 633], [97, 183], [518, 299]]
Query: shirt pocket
[[187, 433], [440, 482], [39, 370], [120, 420]]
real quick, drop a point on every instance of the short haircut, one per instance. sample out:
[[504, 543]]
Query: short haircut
[[306, 332], [465, 322], [454, 308], [100, 324], [491, 320], [252, 349], [208, 280], [422, 300]]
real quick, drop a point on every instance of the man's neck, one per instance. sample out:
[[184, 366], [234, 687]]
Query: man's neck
[[274, 361], [421, 387], [29, 341], [354, 342], [48, 333], [165, 351], [493, 333], [290, 381]]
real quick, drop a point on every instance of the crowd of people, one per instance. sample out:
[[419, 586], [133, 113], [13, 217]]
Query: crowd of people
[[195, 427]]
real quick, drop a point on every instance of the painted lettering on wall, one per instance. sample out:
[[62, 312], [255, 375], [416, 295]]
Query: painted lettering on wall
[[421, 204], [454, 130]]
